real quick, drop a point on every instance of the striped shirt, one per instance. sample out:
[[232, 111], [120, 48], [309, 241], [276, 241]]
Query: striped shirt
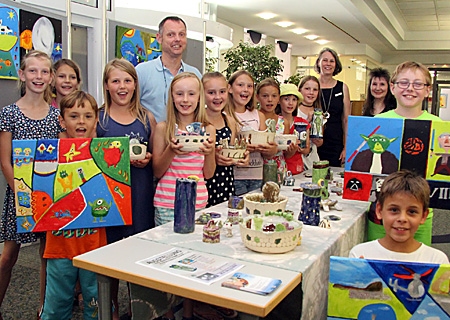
[[182, 166]]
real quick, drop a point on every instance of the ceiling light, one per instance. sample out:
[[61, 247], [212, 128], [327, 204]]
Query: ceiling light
[[266, 15], [322, 41], [358, 61], [284, 24], [299, 31], [311, 37], [353, 59]]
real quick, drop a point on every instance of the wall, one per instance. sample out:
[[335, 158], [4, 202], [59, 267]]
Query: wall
[[354, 75], [10, 91], [193, 54], [444, 113]]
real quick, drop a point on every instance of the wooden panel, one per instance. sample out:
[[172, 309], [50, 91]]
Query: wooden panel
[[357, 107]]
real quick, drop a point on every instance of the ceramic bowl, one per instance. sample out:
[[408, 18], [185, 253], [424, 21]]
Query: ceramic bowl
[[253, 204], [191, 143], [235, 154], [284, 140], [271, 241], [257, 137], [137, 151]]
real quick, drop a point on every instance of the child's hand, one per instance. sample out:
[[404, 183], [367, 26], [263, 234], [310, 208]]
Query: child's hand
[[252, 147], [244, 162], [207, 148], [269, 149], [222, 160], [142, 163], [291, 150], [317, 141], [176, 147]]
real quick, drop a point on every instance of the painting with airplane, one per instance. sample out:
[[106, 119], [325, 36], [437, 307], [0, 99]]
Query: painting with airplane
[[388, 290]]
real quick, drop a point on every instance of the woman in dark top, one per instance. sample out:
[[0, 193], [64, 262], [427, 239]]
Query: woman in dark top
[[336, 106], [379, 96]]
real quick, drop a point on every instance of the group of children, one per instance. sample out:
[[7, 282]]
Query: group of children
[[231, 106]]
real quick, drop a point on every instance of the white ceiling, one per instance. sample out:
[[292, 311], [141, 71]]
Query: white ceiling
[[387, 31]]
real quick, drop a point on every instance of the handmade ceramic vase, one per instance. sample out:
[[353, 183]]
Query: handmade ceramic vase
[[310, 209], [321, 176], [317, 124], [184, 211], [301, 132], [270, 172]]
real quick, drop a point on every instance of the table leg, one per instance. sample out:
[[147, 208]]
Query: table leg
[[104, 297]]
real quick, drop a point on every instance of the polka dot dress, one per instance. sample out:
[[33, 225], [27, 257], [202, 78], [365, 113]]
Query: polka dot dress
[[21, 127], [221, 185]]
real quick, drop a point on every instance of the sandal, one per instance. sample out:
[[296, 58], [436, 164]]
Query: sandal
[[225, 312], [205, 312]]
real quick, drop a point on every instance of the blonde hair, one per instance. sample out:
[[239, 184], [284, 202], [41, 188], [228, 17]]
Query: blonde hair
[[136, 108], [405, 181], [23, 64], [412, 65], [172, 112]]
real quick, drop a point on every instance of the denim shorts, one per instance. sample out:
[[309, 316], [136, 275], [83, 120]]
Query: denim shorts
[[244, 186]]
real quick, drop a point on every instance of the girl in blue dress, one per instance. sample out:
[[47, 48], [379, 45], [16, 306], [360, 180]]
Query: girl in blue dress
[[123, 115]]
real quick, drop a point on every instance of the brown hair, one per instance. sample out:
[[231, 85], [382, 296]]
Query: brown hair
[[172, 112], [23, 64], [338, 67], [252, 103], [77, 98], [389, 100], [412, 65], [268, 82], [171, 18], [318, 103], [136, 108], [70, 63], [405, 181]]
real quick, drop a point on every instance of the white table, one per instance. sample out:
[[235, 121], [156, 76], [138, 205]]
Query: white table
[[310, 261], [118, 260]]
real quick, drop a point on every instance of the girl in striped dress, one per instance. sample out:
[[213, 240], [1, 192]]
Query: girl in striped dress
[[169, 162]]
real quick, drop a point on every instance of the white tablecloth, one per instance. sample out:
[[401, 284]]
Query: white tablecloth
[[311, 258]]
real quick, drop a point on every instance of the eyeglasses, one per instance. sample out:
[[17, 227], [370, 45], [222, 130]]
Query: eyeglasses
[[416, 85]]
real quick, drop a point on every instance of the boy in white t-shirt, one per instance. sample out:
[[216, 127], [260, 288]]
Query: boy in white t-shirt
[[403, 205]]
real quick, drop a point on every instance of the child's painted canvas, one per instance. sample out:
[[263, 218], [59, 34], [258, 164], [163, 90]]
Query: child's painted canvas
[[377, 147], [40, 33], [375, 289], [9, 42], [63, 184], [136, 45]]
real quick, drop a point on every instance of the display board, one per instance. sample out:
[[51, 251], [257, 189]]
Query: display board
[[377, 289], [377, 147]]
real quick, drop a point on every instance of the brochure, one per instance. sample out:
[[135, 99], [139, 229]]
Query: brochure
[[252, 283], [191, 265]]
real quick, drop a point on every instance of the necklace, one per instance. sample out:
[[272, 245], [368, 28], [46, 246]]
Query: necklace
[[305, 105], [326, 114]]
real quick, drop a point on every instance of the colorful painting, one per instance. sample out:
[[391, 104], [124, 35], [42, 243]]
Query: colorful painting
[[63, 184], [377, 147], [136, 46], [389, 290], [9, 42], [40, 33]]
